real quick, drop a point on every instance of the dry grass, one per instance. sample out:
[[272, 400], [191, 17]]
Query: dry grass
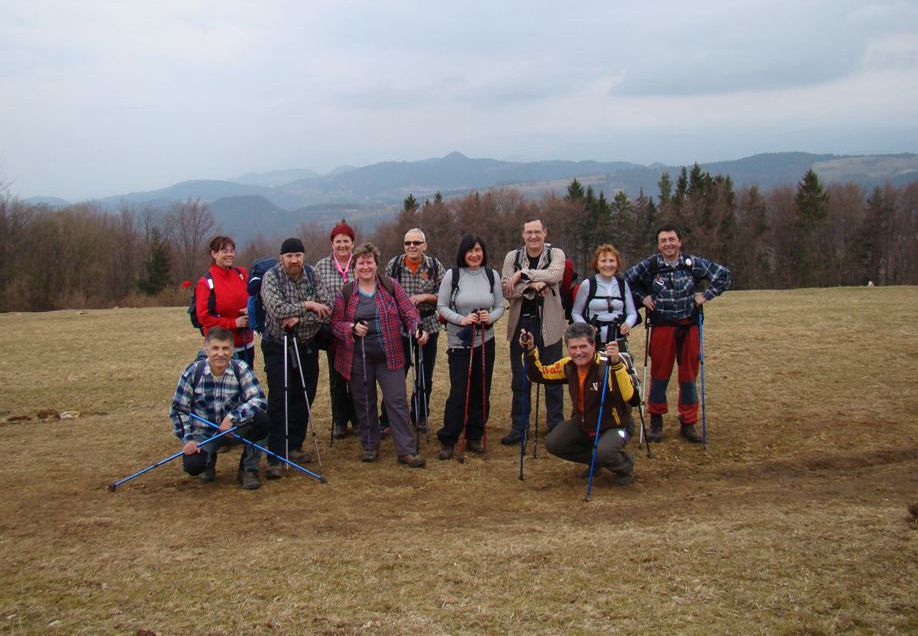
[[794, 522]]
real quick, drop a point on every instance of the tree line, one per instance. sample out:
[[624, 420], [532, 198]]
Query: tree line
[[803, 235]]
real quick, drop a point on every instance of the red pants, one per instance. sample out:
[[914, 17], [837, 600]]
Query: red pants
[[667, 344]]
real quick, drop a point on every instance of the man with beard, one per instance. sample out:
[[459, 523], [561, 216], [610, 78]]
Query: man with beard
[[296, 304]]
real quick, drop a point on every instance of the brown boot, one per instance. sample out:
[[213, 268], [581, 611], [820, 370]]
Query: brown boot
[[446, 452], [688, 432], [412, 461]]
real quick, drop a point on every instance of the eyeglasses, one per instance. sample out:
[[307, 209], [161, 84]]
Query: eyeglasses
[[413, 243]]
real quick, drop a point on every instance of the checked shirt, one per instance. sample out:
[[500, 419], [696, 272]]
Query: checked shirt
[[673, 288], [237, 393], [329, 274], [426, 281], [283, 298]]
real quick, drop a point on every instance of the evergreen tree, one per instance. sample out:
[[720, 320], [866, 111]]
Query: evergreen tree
[[812, 206], [158, 265], [575, 191]]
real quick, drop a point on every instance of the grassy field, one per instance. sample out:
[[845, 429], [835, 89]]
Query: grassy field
[[795, 520]]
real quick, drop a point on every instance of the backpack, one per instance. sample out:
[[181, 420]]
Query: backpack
[[395, 270], [454, 288], [211, 300], [199, 372], [635, 381], [519, 253], [685, 264], [348, 290], [594, 287], [568, 289], [256, 308]]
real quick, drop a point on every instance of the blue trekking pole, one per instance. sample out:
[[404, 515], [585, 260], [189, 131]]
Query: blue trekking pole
[[259, 447], [704, 419], [114, 486], [602, 404]]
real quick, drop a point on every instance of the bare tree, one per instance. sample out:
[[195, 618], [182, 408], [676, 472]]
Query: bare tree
[[190, 226]]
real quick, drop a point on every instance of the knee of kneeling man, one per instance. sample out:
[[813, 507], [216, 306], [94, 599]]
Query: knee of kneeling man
[[194, 464]]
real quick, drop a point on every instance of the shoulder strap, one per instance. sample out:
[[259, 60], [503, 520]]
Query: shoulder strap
[[198, 372], [346, 292], [590, 296], [395, 268], [454, 286], [387, 285], [211, 297], [490, 273]]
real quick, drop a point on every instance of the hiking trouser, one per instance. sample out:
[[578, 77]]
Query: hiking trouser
[[569, 441], [254, 430], [392, 384], [296, 400], [342, 407], [454, 411], [669, 344], [554, 393], [429, 353]]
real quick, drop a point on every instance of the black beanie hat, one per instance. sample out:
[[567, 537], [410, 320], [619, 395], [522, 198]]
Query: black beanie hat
[[292, 245]]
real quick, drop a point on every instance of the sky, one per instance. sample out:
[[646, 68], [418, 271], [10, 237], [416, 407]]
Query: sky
[[99, 98]]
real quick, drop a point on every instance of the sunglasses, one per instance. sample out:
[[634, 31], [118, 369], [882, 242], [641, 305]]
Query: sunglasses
[[413, 243]]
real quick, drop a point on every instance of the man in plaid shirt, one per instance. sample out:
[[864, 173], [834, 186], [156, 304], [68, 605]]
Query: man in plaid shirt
[[296, 304], [420, 276], [667, 284], [219, 389]]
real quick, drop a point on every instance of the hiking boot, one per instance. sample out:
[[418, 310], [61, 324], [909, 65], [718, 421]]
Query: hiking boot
[[208, 475], [512, 438], [340, 432], [446, 452], [475, 446], [274, 471], [656, 429], [623, 479], [249, 479], [300, 457], [688, 432], [412, 461], [369, 456]]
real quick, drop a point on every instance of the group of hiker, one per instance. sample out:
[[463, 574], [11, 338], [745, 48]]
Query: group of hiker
[[376, 323]]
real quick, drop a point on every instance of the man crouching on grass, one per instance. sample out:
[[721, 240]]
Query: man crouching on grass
[[219, 389], [583, 370]]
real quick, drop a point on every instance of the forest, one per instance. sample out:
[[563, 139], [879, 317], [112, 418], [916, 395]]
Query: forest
[[807, 234]]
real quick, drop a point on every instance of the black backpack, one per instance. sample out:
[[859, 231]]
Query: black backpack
[[348, 290], [211, 300], [454, 287], [256, 308]]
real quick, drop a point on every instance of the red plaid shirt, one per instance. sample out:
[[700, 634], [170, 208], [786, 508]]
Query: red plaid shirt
[[394, 314]]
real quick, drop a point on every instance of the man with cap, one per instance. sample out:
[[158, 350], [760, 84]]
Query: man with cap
[[335, 271], [296, 304]]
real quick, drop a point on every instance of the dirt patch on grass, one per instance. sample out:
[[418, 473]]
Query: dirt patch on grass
[[795, 521]]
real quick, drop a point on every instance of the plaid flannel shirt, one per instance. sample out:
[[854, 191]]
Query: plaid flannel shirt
[[329, 274], [394, 314], [673, 288], [236, 392], [426, 281], [283, 298]]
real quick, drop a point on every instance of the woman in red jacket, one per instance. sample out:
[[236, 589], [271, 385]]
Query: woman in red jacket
[[221, 297]]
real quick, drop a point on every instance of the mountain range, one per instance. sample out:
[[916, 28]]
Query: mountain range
[[275, 202]]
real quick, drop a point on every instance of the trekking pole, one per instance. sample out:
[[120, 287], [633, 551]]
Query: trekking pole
[[602, 404], [261, 448], [704, 419], [629, 363], [113, 486], [286, 403], [309, 422], [417, 397], [468, 394], [484, 393], [538, 399], [366, 391], [647, 330], [422, 371], [525, 426]]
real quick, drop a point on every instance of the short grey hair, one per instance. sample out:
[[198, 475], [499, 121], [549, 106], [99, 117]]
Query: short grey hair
[[417, 230], [579, 330]]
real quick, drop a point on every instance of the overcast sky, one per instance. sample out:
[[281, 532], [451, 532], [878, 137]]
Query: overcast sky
[[101, 98]]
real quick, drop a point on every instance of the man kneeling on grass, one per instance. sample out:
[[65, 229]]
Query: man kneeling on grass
[[220, 390], [583, 370]]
